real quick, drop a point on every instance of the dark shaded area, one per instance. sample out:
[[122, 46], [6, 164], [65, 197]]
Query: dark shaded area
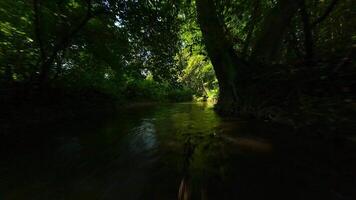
[[291, 68], [146, 151]]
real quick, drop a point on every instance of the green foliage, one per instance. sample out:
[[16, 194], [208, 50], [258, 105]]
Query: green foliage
[[153, 91], [155, 50], [108, 46], [197, 71], [199, 75], [16, 40]]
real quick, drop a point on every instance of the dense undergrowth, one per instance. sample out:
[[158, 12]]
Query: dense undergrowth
[[23, 105]]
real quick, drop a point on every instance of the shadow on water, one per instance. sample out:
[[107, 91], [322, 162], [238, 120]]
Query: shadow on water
[[176, 151]]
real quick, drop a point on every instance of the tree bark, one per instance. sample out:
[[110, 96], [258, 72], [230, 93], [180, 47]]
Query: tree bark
[[327, 12], [308, 34], [37, 24], [8, 74], [222, 54], [251, 26], [274, 27]]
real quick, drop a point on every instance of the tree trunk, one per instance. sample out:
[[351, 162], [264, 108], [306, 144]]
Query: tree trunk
[[273, 29], [222, 55], [308, 34], [8, 74], [238, 94]]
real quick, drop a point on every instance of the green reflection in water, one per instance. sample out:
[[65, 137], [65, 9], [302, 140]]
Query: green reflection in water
[[157, 151]]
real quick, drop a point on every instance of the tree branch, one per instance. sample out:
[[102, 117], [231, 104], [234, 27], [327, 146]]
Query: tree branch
[[308, 35], [251, 26], [328, 10], [273, 29], [63, 43], [38, 35]]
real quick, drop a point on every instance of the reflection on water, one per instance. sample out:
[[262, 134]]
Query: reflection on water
[[142, 138], [174, 151], [249, 144]]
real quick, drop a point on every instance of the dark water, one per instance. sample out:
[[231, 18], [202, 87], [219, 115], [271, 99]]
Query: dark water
[[165, 151]]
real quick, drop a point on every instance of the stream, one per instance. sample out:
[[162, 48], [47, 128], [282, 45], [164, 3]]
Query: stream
[[176, 151]]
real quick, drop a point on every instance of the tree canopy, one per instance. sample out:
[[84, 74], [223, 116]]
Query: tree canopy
[[250, 54]]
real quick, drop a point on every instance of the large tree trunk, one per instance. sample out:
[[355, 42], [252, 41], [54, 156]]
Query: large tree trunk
[[233, 72], [226, 63], [273, 29]]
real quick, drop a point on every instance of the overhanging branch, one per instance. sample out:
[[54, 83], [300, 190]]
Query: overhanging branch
[[327, 12]]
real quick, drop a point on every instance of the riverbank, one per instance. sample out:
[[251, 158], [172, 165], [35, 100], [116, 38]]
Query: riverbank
[[25, 108]]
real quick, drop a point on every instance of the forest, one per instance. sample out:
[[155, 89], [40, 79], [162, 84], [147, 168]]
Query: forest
[[278, 64], [281, 60]]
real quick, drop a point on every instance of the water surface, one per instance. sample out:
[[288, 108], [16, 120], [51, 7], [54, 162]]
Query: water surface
[[175, 150]]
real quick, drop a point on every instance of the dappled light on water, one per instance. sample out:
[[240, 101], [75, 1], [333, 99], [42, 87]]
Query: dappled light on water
[[143, 138]]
